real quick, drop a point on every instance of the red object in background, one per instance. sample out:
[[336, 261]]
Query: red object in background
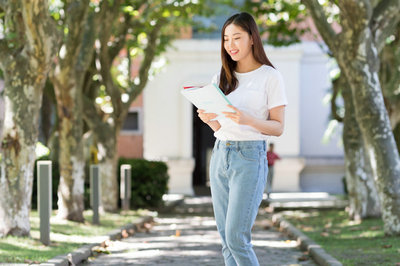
[[271, 157]]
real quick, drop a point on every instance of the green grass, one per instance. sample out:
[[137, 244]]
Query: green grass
[[65, 236], [349, 242]]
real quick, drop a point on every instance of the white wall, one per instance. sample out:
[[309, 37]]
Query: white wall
[[287, 61], [315, 82]]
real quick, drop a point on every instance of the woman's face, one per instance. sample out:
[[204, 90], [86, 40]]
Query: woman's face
[[237, 42]]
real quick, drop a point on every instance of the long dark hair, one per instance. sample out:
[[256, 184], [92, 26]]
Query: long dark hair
[[227, 81]]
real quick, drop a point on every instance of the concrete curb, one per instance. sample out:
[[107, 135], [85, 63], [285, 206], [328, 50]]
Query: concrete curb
[[84, 252], [319, 255]]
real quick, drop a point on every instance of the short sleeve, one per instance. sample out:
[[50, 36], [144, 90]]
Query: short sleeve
[[215, 79], [276, 95]]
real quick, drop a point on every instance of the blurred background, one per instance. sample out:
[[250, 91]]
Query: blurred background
[[98, 82]]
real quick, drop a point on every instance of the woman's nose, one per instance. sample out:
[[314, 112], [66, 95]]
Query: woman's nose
[[229, 44]]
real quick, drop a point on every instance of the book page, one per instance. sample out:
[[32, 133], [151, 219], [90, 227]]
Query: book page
[[209, 98]]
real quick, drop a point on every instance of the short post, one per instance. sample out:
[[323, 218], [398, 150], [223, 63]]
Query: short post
[[95, 192], [125, 186], [45, 199]]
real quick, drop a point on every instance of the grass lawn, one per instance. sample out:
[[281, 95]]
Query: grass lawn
[[349, 242], [65, 236]]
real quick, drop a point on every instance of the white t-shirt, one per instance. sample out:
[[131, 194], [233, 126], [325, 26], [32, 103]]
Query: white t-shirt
[[258, 91]]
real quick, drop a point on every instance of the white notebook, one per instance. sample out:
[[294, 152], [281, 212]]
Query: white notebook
[[209, 98]]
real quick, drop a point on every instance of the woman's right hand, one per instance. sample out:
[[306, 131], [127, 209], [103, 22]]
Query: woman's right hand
[[206, 117]]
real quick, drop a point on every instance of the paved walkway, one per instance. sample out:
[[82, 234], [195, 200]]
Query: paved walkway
[[189, 237]]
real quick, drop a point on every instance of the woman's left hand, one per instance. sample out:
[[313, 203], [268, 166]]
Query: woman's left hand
[[238, 116]]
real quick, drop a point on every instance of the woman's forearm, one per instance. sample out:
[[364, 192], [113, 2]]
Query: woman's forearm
[[267, 127], [215, 125]]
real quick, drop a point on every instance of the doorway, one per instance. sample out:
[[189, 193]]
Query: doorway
[[203, 143]]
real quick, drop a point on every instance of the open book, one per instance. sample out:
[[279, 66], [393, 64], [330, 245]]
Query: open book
[[209, 98]]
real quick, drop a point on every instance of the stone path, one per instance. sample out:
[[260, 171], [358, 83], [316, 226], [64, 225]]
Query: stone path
[[187, 239]]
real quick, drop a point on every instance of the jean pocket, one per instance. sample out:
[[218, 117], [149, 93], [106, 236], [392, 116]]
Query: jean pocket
[[249, 154]]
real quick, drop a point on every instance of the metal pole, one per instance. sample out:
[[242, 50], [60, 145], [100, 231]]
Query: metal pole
[[95, 192], [45, 199], [125, 191]]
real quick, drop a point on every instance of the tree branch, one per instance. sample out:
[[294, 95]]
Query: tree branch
[[355, 16], [76, 17], [149, 54], [320, 20], [40, 30], [110, 17], [92, 28], [91, 115], [384, 21], [120, 37]]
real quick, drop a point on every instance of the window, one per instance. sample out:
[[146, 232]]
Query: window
[[133, 122]]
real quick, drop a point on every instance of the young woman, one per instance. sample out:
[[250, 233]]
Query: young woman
[[238, 166]]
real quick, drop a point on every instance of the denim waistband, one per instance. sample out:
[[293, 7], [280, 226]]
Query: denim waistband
[[241, 144]]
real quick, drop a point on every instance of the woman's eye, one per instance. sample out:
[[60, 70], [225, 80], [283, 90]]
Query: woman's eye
[[237, 39]]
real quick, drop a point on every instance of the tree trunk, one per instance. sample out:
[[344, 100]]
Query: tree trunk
[[105, 135], [46, 114], [363, 196], [67, 78], [365, 27], [360, 67], [71, 161], [108, 163], [18, 151], [25, 68]]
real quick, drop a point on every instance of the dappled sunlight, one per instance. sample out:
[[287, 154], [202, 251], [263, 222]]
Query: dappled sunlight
[[275, 244], [300, 195]]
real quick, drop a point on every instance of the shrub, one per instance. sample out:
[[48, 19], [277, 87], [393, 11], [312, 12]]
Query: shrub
[[149, 182]]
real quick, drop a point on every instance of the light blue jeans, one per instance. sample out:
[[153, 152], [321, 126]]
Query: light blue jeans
[[238, 171]]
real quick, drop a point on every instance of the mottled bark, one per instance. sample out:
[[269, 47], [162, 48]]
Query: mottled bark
[[363, 196], [356, 48], [389, 76], [108, 163], [376, 131], [67, 79], [71, 161], [25, 61]]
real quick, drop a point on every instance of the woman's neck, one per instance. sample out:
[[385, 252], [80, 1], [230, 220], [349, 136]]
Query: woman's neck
[[247, 64]]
